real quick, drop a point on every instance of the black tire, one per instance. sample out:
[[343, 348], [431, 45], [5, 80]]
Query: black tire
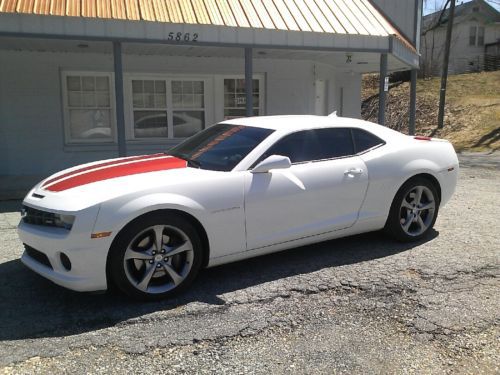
[[141, 232], [399, 216]]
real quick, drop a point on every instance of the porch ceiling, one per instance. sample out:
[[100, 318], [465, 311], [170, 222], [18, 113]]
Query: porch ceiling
[[362, 62]]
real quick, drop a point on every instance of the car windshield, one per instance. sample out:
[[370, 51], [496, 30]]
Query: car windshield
[[220, 147]]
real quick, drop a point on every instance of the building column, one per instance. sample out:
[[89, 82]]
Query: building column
[[381, 88], [248, 82], [413, 101], [120, 110]]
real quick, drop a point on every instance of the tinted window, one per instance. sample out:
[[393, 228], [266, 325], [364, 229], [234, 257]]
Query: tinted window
[[220, 147], [332, 143], [310, 145], [294, 146], [364, 140]]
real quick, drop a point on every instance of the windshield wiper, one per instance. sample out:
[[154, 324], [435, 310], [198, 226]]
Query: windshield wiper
[[193, 163]]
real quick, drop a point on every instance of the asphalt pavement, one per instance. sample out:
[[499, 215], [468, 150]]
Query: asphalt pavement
[[363, 304]]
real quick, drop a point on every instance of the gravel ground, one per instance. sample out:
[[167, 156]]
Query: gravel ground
[[363, 304]]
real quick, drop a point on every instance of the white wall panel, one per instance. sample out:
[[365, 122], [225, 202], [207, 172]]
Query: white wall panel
[[401, 14], [31, 114]]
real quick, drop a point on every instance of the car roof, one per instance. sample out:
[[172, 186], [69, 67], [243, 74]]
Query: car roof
[[291, 123]]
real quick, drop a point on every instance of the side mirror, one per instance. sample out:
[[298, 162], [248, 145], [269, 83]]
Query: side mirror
[[272, 162]]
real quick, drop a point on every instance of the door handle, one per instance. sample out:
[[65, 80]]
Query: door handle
[[353, 171]]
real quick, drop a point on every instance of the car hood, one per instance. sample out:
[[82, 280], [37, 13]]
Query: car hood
[[89, 184]]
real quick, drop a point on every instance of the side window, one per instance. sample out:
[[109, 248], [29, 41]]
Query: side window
[[294, 146], [332, 143], [364, 140], [311, 145]]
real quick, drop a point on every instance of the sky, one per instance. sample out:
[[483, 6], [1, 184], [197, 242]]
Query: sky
[[431, 6]]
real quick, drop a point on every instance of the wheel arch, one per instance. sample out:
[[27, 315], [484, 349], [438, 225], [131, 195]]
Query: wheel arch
[[172, 211], [428, 176], [422, 167]]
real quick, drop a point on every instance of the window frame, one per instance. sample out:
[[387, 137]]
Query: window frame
[[68, 140], [168, 78]]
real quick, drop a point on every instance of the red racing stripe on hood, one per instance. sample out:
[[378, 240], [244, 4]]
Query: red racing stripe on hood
[[100, 165], [120, 170]]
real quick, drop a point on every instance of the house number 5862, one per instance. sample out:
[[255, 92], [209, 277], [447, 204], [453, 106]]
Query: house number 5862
[[183, 37]]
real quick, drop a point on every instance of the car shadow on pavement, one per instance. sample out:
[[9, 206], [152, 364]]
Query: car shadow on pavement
[[32, 307]]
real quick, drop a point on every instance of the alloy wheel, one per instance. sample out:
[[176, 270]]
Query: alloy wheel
[[417, 210], [158, 259]]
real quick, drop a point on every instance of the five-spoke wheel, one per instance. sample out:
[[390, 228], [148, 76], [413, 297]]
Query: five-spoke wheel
[[417, 210], [155, 256], [414, 210]]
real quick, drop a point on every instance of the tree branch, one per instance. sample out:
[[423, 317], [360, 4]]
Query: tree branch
[[439, 20]]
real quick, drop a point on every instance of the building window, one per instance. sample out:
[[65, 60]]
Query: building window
[[480, 36], [167, 108], [476, 36], [188, 101], [149, 101], [235, 98], [472, 35], [88, 107]]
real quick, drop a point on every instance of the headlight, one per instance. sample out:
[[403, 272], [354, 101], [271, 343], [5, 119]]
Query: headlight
[[64, 221]]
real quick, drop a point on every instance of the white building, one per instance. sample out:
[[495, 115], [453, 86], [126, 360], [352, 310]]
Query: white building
[[87, 80], [475, 41]]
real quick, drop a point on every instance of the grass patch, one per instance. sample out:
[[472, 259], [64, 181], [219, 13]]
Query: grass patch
[[472, 113]]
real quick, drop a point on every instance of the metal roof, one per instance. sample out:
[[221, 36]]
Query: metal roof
[[351, 17]]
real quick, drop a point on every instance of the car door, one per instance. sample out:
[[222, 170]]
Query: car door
[[322, 191]]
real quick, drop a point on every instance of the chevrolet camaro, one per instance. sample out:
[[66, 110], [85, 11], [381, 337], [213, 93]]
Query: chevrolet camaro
[[238, 189]]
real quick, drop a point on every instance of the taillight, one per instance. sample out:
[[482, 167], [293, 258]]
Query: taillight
[[422, 138]]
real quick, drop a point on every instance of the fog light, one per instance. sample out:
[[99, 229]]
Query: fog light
[[65, 261]]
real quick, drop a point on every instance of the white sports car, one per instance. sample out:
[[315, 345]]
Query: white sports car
[[238, 189]]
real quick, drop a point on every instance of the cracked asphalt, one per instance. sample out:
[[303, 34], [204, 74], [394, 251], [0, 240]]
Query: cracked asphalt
[[363, 304]]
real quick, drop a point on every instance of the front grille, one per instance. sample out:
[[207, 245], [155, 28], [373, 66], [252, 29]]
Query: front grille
[[37, 255], [38, 217]]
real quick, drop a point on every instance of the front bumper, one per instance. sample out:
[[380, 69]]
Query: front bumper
[[88, 256]]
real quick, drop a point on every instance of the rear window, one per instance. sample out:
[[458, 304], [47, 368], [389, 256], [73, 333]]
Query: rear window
[[364, 140]]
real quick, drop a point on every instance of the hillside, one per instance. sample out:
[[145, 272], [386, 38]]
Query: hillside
[[472, 116]]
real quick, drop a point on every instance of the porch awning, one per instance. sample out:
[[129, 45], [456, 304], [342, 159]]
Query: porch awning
[[337, 25]]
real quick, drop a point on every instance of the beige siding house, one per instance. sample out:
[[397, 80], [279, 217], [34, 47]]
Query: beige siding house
[[476, 35]]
